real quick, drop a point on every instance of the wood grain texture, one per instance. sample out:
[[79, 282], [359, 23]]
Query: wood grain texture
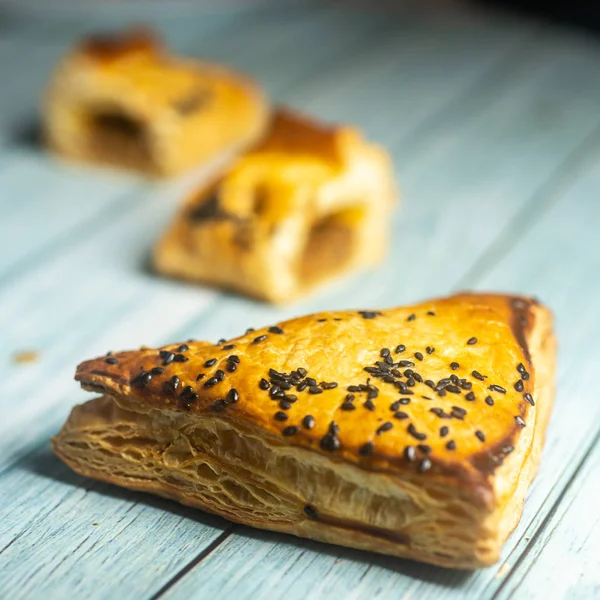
[[491, 124]]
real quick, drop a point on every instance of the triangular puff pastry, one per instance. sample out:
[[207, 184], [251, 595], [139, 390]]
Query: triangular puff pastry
[[311, 202], [411, 431]]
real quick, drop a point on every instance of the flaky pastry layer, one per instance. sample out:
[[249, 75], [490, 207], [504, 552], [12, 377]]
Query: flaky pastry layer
[[452, 499]]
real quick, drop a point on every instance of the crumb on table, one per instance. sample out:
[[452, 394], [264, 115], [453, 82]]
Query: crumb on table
[[25, 356]]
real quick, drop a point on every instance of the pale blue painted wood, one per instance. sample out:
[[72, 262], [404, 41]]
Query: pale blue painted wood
[[115, 304], [565, 556]]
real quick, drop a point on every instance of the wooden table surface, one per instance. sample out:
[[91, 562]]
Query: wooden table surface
[[494, 126]]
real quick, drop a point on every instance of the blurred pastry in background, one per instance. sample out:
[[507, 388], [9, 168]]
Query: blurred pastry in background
[[307, 204], [125, 101]]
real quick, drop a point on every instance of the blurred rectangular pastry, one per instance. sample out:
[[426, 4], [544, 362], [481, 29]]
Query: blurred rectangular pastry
[[309, 203], [411, 431], [126, 101]]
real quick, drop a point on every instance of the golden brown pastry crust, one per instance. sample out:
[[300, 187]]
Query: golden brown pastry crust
[[377, 470], [125, 101], [309, 203]]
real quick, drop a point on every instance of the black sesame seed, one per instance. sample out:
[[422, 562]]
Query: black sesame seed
[[229, 347], [416, 434], [430, 383], [400, 348], [145, 379], [478, 375], [465, 385], [470, 396], [168, 358], [233, 358], [161, 353], [330, 442], [385, 352], [219, 375], [263, 384], [389, 379], [280, 416], [183, 348], [157, 371], [520, 421], [444, 431], [366, 449], [497, 388], [384, 427], [249, 330], [275, 329], [188, 390], [231, 367], [410, 453], [418, 356], [529, 398], [431, 313], [424, 465], [480, 435], [291, 398], [411, 317], [404, 401], [210, 382], [221, 341], [369, 314], [368, 404], [302, 372], [395, 405], [406, 363], [260, 338], [210, 363], [276, 393], [233, 396], [400, 415], [347, 406], [489, 401], [328, 386], [174, 382], [430, 349], [451, 445], [525, 376], [519, 385], [302, 386], [219, 405], [424, 448], [454, 366], [291, 430], [111, 360], [321, 320], [350, 397], [453, 388], [180, 358], [508, 449], [311, 381], [315, 389], [311, 512], [308, 422], [472, 341]]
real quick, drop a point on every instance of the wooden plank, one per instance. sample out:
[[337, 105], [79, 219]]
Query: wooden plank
[[104, 273], [564, 556]]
